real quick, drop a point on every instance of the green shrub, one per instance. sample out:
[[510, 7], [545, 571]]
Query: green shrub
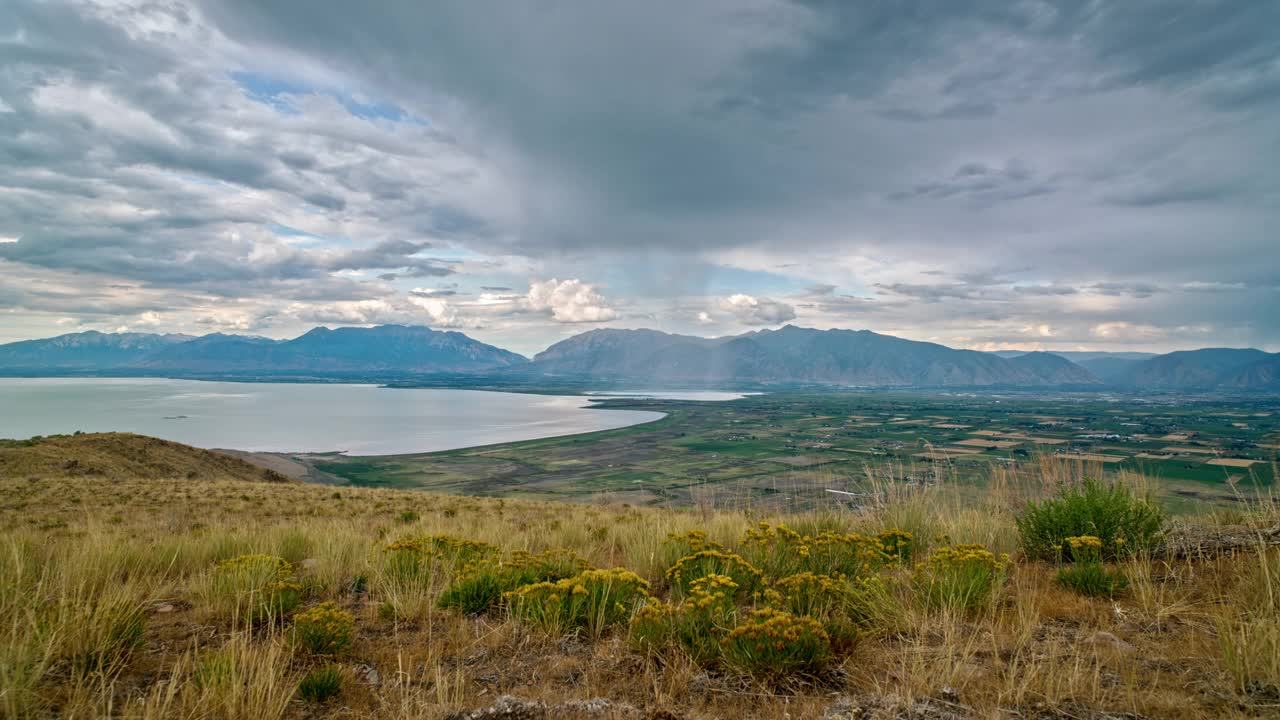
[[478, 590], [321, 684], [1092, 580], [959, 578], [1112, 513], [590, 601], [254, 588], [325, 629], [771, 644]]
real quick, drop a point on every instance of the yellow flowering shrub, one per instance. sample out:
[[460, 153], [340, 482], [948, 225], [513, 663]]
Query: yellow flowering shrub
[[959, 577], [772, 643], [324, 629], [479, 586], [694, 625], [691, 568], [817, 596], [255, 587], [895, 543], [419, 558], [654, 627], [1085, 545], [1086, 574], [678, 545], [589, 601], [780, 551]]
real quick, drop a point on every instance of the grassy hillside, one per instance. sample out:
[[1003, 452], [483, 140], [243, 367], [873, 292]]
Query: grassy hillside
[[118, 456], [226, 599]]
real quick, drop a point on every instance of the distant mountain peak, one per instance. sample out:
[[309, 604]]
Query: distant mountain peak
[[793, 354]]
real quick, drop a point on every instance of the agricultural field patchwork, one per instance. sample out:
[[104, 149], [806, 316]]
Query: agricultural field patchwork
[[793, 451]]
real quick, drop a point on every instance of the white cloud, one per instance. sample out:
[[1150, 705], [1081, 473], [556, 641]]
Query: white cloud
[[351, 312], [569, 301], [752, 310], [440, 312]]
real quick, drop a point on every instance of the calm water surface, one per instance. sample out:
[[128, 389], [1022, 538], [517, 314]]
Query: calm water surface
[[358, 419]]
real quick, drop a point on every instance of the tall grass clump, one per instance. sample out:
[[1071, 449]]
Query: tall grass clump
[[960, 578], [241, 679], [321, 684], [412, 570], [98, 635], [1249, 633], [1111, 512], [253, 588], [27, 647], [588, 602]]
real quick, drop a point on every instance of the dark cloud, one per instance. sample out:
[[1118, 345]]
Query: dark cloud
[[1026, 165]]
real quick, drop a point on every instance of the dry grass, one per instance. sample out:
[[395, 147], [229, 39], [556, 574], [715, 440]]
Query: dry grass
[[1189, 639]]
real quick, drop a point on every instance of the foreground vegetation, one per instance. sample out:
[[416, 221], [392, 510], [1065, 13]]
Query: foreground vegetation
[[1048, 596]]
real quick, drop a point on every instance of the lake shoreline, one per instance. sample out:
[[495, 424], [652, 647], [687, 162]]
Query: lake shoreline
[[356, 420]]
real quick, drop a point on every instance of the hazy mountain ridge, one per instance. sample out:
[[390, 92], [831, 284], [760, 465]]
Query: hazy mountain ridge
[[390, 348], [1204, 368], [91, 349], [796, 355], [788, 355]]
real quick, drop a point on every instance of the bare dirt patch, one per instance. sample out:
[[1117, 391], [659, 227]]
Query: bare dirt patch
[[997, 444], [1232, 462], [1091, 457], [1191, 450]]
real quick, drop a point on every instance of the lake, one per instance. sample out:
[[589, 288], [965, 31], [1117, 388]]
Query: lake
[[286, 417]]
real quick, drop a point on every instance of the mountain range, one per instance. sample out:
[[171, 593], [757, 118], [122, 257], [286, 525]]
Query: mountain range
[[788, 355], [383, 349], [796, 355]]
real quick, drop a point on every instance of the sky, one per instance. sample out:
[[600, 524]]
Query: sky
[[1060, 175]]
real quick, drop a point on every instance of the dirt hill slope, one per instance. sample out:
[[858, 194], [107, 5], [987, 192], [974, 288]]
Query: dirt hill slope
[[122, 455]]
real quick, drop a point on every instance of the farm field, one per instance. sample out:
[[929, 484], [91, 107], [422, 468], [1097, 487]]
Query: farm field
[[794, 451]]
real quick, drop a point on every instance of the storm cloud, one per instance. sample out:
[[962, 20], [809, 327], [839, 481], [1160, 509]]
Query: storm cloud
[[988, 174]]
